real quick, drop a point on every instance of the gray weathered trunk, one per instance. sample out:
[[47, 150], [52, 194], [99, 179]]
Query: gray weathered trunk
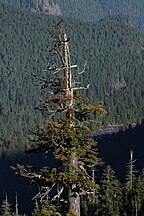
[[74, 197]]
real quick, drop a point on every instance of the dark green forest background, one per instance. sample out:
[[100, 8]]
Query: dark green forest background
[[113, 48], [93, 10], [108, 35]]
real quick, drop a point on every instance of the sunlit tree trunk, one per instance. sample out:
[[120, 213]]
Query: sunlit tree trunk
[[74, 197]]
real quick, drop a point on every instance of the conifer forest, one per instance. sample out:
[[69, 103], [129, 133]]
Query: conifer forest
[[71, 108]]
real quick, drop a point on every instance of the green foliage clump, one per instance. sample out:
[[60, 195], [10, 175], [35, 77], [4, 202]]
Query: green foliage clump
[[5, 209]]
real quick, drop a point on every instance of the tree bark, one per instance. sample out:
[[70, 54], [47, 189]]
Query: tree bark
[[74, 197]]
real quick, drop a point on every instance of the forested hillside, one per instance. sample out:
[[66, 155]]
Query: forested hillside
[[112, 47], [97, 9], [88, 10]]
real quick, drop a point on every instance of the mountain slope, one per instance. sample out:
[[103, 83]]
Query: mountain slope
[[90, 10], [112, 47], [97, 9]]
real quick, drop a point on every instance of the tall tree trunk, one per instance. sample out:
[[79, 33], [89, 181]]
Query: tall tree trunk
[[74, 197]]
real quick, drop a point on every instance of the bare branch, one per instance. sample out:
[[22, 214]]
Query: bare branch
[[80, 88], [83, 68], [57, 196]]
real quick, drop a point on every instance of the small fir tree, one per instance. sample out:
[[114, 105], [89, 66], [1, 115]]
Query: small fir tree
[[130, 177], [139, 192], [110, 199], [130, 197], [5, 208]]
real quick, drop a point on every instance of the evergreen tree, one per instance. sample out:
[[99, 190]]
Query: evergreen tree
[[130, 178], [5, 208], [67, 136], [89, 206], [46, 210], [110, 199], [139, 191], [130, 197]]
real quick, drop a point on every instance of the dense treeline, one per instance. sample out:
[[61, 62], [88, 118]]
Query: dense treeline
[[20, 56], [97, 9], [113, 149], [91, 10], [112, 48], [111, 198]]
